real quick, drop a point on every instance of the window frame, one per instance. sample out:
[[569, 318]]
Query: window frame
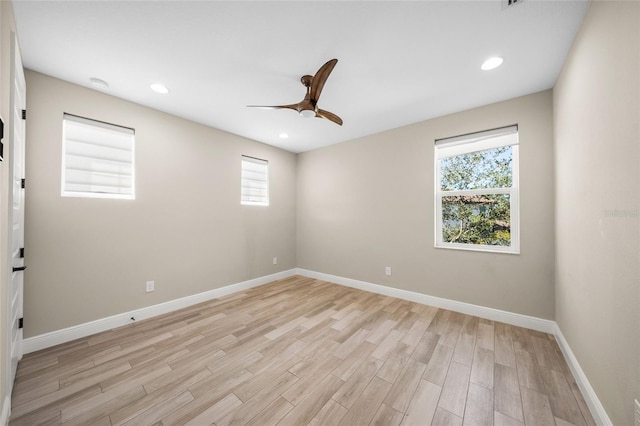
[[64, 192], [470, 143], [243, 197]]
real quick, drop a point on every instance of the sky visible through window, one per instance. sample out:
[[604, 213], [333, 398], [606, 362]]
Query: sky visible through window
[[477, 170]]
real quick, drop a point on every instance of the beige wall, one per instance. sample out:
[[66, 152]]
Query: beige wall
[[596, 107], [90, 258], [368, 203]]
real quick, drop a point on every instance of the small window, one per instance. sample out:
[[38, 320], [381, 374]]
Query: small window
[[254, 188], [477, 191], [97, 159]]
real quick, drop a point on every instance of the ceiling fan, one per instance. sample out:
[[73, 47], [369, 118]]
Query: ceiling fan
[[308, 107]]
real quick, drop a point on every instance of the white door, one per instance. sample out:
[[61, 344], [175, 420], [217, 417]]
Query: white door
[[16, 211]]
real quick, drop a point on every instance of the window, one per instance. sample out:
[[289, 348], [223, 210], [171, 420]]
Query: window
[[477, 191], [254, 187], [97, 159]]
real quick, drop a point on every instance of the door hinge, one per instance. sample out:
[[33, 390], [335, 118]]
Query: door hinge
[[22, 252], [24, 114], [20, 323], [23, 183]]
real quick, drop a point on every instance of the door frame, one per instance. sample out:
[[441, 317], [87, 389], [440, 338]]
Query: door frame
[[15, 119]]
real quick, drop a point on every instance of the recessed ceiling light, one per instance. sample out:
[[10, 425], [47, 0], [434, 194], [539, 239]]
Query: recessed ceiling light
[[284, 135], [99, 84], [491, 63], [159, 88]]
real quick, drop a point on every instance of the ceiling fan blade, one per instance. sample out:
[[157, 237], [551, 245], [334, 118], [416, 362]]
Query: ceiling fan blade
[[292, 106], [329, 116], [320, 78]]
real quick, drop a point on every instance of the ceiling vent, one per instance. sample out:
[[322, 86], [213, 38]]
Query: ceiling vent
[[510, 3]]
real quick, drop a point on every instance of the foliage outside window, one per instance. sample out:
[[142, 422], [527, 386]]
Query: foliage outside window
[[477, 191]]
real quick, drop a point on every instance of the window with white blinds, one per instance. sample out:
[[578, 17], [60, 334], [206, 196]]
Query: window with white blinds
[[97, 159], [254, 188]]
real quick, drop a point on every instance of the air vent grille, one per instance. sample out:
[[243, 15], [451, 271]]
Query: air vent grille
[[509, 3]]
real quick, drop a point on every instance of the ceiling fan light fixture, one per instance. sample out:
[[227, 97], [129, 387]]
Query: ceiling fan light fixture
[[307, 113], [491, 63]]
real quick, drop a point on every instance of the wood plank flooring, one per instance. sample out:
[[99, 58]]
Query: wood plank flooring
[[301, 351]]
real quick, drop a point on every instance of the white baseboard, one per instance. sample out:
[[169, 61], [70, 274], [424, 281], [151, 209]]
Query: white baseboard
[[6, 411], [520, 320], [593, 402], [57, 337]]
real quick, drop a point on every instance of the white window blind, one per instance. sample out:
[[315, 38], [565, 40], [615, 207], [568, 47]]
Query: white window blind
[[474, 142], [254, 187], [97, 159]]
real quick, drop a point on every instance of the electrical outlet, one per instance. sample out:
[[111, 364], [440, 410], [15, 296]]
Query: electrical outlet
[[387, 270], [637, 413], [275, 260], [151, 286]]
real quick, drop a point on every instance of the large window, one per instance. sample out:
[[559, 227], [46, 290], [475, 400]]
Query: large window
[[477, 191], [97, 159], [254, 187]]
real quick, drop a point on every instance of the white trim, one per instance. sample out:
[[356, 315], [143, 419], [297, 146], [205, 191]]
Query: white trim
[[6, 410], [57, 337], [595, 406], [512, 318]]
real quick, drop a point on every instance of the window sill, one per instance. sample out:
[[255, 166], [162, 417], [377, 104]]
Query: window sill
[[478, 248]]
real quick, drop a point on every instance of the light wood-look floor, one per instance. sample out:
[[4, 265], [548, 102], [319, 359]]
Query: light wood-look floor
[[301, 351]]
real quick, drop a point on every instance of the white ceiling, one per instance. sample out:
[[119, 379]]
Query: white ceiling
[[399, 62]]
